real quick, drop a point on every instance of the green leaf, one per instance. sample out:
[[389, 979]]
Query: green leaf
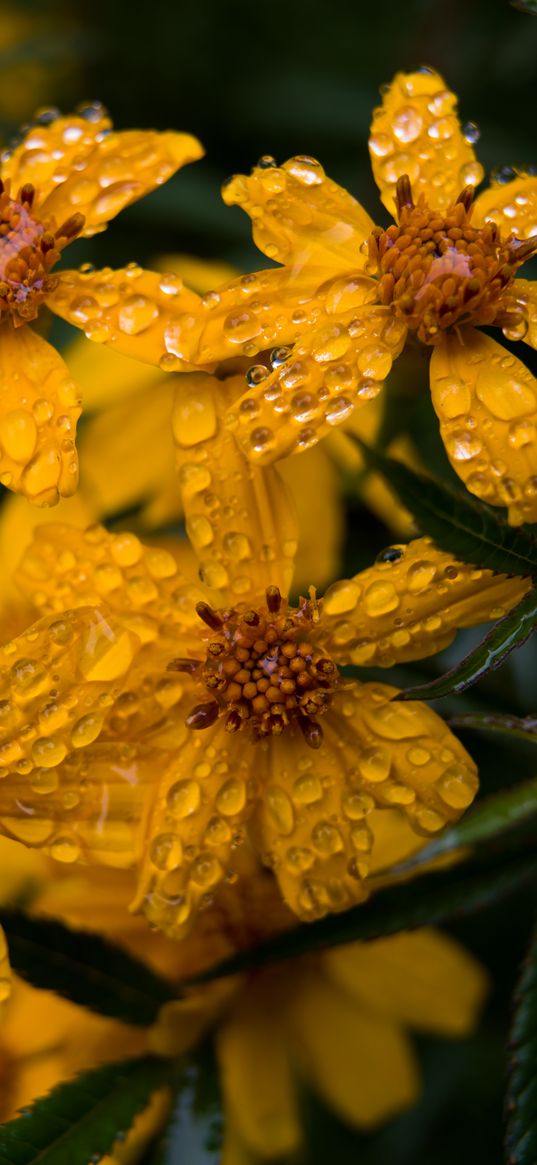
[[79, 1120], [487, 821], [517, 727], [427, 900], [507, 634], [457, 522], [84, 968], [521, 1106]]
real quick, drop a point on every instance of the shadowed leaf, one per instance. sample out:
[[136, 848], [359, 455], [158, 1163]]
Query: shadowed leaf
[[521, 1107]]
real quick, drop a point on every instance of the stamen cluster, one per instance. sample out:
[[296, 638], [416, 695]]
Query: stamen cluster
[[437, 270], [263, 671], [29, 248]]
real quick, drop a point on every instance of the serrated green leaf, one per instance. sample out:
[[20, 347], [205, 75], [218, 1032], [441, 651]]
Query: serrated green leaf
[[458, 523], [488, 820], [84, 968], [521, 1107], [506, 635], [80, 1120], [427, 900]]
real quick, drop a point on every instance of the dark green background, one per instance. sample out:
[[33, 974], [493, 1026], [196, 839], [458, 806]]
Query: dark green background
[[302, 77]]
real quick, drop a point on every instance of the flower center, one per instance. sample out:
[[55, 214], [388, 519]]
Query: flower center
[[437, 270], [263, 670], [29, 248]]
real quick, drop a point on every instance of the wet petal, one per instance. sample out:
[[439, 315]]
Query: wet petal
[[259, 1091], [300, 216], [129, 310], [486, 401], [81, 166], [523, 298], [410, 604], [335, 367], [424, 979], [416, 131], [65, 568], [511, 205], [402, 756], [264, 309], [196, 817], [40, 405], [240, 519], [320, 526], [361, 1064]]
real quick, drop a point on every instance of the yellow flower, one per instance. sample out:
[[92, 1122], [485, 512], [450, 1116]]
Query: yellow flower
[[153, 720], [342, 1019], [348, 294], [68, 177]]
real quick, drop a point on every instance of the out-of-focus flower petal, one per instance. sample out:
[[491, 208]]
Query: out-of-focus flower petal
[[320, 526], [40, 405], [240, 519], [486, 402], [424, 979], [335, 367], [410, 604], [300, 216], [105, 376], [416, 131], [255, 1069], [128, 310], [511, 205], [361, 1064], [5, 972]]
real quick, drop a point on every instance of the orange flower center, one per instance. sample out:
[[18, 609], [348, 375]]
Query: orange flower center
[[29, 248], [263, 670], [437, 270]]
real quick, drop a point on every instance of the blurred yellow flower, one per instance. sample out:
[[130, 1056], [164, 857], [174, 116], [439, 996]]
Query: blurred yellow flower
[[348, 294], [341, 1020], [68, 177], [152, 720]]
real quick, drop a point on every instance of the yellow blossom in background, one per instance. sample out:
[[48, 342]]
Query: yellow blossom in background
[[68, 178], [341, 1020], [155, 721], [348, 295]]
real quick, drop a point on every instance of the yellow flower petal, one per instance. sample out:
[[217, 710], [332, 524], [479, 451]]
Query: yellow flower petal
[[424, 979], [401, 755], [129, 310], [254, 312], [511, 205], [79, 167], [339, 364], [524, 293], [105, 376], [362, 1065], [5, 972], [319, 554], [410, 605], [255, 1072], [39, 410], [300, 216], [127, 451], [416, 131], [240, 519], [199, 274], [486, 401]]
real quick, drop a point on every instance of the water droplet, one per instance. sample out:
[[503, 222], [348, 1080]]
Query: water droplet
[[457, 787], [380, 598], [307, 789], [183, 798], [279, 809], [341, 597], [65, 849], [374, 764], [166, 851], [407, 124], [471, 132], [326, 838], [307, 170], [231, 798]]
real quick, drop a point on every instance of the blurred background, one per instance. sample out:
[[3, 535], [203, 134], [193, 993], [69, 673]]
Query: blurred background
[[302, 78]]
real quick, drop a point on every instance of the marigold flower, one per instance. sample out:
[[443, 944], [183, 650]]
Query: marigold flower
[[347, 295], [155, 721], [343, 1018], [68, 178]]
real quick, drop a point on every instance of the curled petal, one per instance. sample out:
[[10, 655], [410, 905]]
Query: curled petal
[[40, 406], [261, 310], [412, 763], [511, 205], [334, 367], [129, 310], [79, 165], [66, 568], [416, 131], [5, 971], [486, 401], [239, 518], [300, 216], [410, 604]]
